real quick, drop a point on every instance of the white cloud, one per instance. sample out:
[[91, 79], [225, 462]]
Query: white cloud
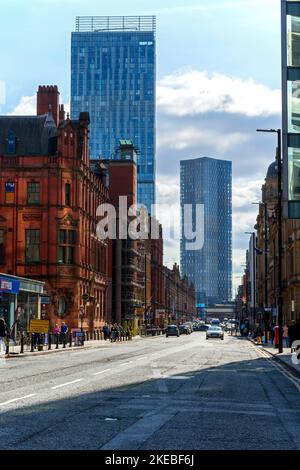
[[189, 136], [193, 92], [26, 106], [2, 92]]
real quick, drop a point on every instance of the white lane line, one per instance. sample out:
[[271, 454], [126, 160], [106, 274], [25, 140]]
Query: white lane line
[[101, 372], [141, 358], [17, 399], [125, 363], [65, 384]]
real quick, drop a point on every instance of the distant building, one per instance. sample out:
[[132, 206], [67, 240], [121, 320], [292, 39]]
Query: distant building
[[113, 78], [208, 182]]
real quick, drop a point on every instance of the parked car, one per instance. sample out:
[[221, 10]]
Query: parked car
[[172, 330], [184, 329], [215, 332]]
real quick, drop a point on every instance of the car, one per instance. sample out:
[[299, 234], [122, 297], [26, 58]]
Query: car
[[172, 330], [184, 329], [202, 327], [189, 326], [215, 332], [215, 322]]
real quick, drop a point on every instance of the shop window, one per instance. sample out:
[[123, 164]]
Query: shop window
[[68, 194], [2, 251], [66, 248], [33, 193], [32, 246]]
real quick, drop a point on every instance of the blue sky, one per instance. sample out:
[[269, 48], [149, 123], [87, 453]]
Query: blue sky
[[209, 53]]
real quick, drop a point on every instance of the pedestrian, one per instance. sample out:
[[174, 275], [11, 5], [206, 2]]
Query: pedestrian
[[4, 335], [56, 332], [113, 334], [105, 331], [285, 335], [64, 330]]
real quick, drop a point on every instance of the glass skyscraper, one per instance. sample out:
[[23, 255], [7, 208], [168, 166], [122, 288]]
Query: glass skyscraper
[[208, 182], [113, 70]]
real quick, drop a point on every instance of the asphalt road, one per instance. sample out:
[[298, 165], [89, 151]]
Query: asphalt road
[[156, 393]]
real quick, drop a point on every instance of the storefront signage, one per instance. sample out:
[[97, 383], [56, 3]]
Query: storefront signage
[[39, 326], [10, 286], [45, 299]]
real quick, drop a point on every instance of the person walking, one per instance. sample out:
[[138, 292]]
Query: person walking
[[4, 334], [285, 335]]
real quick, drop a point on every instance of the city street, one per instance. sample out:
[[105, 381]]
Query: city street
[[155, 393]]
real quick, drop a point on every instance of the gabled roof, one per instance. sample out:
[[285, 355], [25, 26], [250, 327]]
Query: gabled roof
[[32, 134]]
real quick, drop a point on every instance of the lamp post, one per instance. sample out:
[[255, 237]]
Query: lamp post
[[279, 221]]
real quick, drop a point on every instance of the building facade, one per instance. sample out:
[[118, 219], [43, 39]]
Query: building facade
[[207, 182], [179, 296], [113, 78], [267, 256], [48, 201]]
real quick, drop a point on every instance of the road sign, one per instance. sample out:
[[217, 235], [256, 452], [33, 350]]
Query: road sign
[[39, 326]]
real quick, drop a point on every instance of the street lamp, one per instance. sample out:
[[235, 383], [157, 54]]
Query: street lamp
[[254, 274], [279, 220]]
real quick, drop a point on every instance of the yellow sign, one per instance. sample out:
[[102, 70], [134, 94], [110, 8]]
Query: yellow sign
[[39, 326]]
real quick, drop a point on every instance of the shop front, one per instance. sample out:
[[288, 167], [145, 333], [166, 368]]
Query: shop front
[[20, 300]]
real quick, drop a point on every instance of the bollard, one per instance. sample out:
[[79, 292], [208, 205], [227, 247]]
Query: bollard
[[22, 343], [32, 343], [49, 341], [64, 340], [57, 340], [70, 339], [95, 335], [98, 335], [7, 346]]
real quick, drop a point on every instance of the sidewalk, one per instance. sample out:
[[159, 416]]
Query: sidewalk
[[285, 357], [14, 351]]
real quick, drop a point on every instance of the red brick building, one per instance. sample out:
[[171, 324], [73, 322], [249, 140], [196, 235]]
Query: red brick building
[[179, 296], [48, 201]]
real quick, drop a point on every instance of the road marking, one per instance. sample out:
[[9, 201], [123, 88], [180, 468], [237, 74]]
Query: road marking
[[101, 372], [125, 363], [281, 368], [133, 437], [17, 399], [67, 383]]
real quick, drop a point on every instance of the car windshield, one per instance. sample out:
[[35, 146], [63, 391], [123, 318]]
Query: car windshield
[[215, 328]]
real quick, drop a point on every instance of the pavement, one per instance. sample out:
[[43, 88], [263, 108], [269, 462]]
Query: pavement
[[286, 358], [157, 394], [15, 350]]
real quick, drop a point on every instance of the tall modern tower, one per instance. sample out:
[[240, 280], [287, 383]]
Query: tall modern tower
[[113, 74], [208, 182]]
